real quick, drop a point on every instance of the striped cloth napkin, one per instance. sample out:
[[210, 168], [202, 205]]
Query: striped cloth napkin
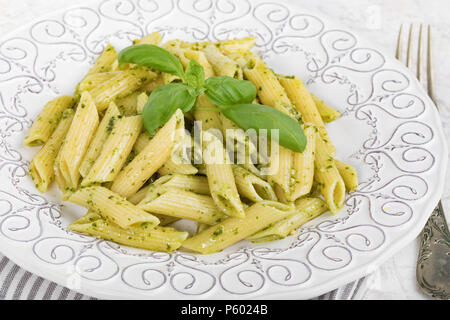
[[19, 284]]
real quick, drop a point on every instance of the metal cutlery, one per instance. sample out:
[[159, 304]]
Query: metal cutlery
[[433, 263]]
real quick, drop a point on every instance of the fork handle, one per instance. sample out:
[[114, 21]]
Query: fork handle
[[433, 264]]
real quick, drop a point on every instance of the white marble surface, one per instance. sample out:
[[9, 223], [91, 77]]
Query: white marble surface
[[377, 20]]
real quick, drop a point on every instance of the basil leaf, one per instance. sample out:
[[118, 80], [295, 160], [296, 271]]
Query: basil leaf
[[227, 91], [196, 91], [256, 116], [164, 101], [152, 56], [195, 74]]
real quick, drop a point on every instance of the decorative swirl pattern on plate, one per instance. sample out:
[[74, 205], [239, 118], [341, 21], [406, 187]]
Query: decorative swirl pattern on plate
[[55, 33], [225, 18], [283, 271], [81, 23], [398, 148], [122, 11], [301, 26], [238, 278], [191, 279]]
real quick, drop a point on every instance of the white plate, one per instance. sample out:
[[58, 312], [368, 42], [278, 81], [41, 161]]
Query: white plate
[[389, 130]]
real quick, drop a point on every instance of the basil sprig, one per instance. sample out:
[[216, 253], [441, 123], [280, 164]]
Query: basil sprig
[[232, 96]]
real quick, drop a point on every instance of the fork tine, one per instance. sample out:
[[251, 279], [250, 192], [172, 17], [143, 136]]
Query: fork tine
[[398, 52], [419, 54], [409, 51], [430, 75]]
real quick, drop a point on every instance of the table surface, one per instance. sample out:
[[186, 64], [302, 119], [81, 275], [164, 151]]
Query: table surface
[[378, 21]]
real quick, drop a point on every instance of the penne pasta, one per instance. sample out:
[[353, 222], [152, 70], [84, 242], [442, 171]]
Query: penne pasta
[[120, 86], [41, 167], [140, 236], [170, 166], [139, 196], [201, 227], [281, 196], [128, 105], [59, 178], [271, 93], [150, 159], [306, 209], [348, 174], [170, 78], [112, 206], [115, 151], [330, 182], [77, 141], [142, 99], [105, 61], [236, 45], [227, 46], [209, 119], [220, 176], [180, 158], [93, 80], [101, 135], [151, 38], [232, 230], [196, 184], [173, 46], [221, 64], [48, 119], [269, 89], [243, 59], [303, 101], [142, 141], [201, 58], [304, 165], [166, 220], [327, 113], [244, 148], [153, 84], [280, 169], [252, 187], [175, 202]]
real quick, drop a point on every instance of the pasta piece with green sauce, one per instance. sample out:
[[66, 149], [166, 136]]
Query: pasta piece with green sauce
[[306, 209], [42, 166], [328, 114], [142, 236], [179, 203], [112, 206], [48, 119], [348, 174], [231, 230]]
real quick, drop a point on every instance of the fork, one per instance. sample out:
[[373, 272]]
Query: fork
[[433, 263]]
